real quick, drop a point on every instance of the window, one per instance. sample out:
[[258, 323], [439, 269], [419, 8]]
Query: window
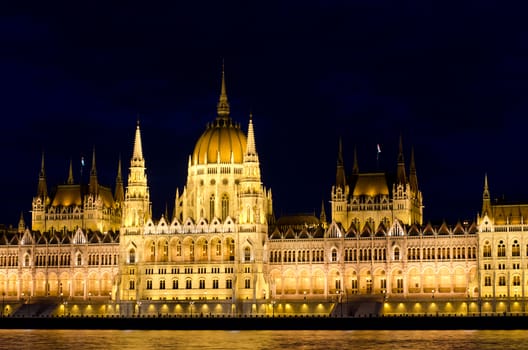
[[215, 284], [338, 284], [79, 259], [162, 284], [152, 252], [225, 206], [149, 284], [334, 254], [399, 285], [188, 284], [229, 284], [174, 284], [204, 248], [516, 280], [355, 285], [516, 249], [487, 281], [486, 251], [247, 283], [247, 254], [202, 284], [132, 256], [501, 249], [132, 285], [218, 248], [502, 280], [211, 207], [178, 248], [232, 248], [396, 253], [165, 251]]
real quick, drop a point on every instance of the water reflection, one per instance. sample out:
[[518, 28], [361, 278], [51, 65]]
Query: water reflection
[[256, 340]]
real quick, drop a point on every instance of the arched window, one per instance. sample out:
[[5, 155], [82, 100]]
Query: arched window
[[79, 259], [178, 248], [204, 248], [225, 206], [165, 251], [396, 253], [191, 250], [247, 254], [218, 248], [211, 207], [334, 254], [486, 250], [231, 249], [501, 249], [132, 256], [153, 252], [26, 260], [516, 249]]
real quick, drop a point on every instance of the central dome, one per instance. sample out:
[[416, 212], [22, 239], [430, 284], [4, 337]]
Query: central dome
[[223, 141]]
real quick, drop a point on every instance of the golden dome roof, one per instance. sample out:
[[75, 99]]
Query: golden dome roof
[[223, 141]]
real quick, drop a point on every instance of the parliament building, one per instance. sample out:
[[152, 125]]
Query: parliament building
[[93, 250]]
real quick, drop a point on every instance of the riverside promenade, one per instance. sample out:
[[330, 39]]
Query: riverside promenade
[[268, 323]]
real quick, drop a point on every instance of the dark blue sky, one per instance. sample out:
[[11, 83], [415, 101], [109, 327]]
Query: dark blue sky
[[450, 77]]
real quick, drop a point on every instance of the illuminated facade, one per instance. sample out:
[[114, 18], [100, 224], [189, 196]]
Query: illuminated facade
[[223, 244]]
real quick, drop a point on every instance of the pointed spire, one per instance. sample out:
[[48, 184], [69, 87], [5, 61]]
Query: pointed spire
[[21, 223], [251, 148], [323, 213], [413, 179], [119, 195], [340, 172], [137, 155], [93, 171], [94, 185], [401, 177], [223, 105], [70, 174], [486, 200], [42, 188], [176, 198], [355, 167]]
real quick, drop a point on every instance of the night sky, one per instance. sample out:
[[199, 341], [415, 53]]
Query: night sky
[[450, 77]]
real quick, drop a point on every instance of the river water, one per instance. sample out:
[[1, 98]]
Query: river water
[[255, 340]]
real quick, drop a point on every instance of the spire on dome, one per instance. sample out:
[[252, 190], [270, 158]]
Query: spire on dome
[[223, 105]]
